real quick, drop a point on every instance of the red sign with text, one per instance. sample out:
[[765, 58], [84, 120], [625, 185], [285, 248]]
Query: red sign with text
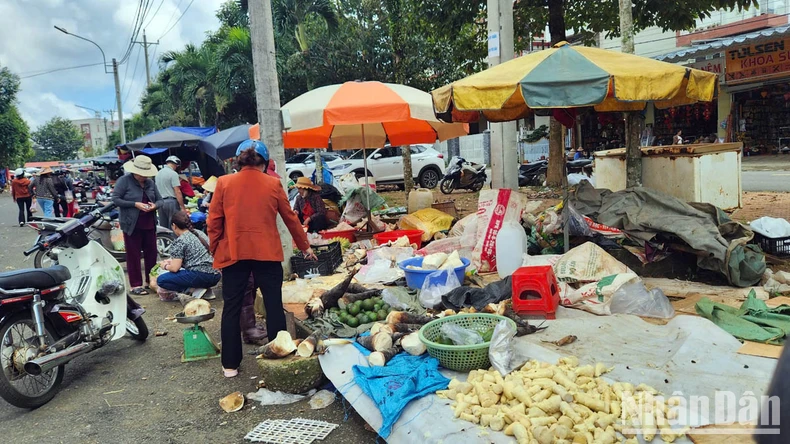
[[758, 61]]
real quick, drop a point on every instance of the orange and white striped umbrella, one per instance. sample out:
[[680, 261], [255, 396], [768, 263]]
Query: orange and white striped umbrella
[[364, 115]]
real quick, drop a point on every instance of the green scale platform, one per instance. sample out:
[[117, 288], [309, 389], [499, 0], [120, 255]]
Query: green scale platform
[[197, 343]]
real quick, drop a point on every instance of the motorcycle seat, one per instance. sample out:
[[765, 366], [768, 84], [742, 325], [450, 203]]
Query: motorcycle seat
[[38, 278]]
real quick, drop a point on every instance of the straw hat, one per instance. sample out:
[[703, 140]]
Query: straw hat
[[141, 165], [211, 184], [45, 170], [305, 182]]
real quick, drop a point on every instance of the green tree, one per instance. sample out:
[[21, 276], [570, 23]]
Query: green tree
[[60, 139], [15, 146], [292, 15]]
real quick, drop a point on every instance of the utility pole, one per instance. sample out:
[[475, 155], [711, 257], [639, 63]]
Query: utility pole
[[145, 45], [633, 152], [504, 145], [118, 100], [267, 95]]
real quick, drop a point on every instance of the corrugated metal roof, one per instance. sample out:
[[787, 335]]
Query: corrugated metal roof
[[687, 53]]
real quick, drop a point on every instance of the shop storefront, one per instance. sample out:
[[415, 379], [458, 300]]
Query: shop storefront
[[758, 77]]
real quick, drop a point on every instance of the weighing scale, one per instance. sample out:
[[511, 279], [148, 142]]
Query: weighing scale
[[197, 343]]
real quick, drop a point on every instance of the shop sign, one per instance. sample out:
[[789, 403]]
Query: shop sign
[[715, 66], [758, 61], [493, 44]]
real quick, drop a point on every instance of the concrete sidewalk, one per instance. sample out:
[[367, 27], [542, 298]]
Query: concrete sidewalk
[[766, 162], [759, 204]]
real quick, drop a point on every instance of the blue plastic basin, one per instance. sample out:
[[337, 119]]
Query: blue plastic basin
[[415, 278]]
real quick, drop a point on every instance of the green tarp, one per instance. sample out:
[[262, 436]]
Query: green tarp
[[753, 321]]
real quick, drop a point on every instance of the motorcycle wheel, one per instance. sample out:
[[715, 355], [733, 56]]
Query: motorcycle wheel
[[17, 387], [447, 186], [137, 329], [163, 241], [44, 259], [477, 186]]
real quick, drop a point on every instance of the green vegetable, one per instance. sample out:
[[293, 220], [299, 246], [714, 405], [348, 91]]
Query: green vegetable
[[377, 307], [352, 322], [386, 307], [364, 319], [368, 304], [354, 309], [381, 314], [372, 316], [487, 334]]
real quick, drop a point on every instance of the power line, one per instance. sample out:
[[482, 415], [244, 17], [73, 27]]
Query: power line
[[178, 20], [59, 69], [131, 82], [155, 12], [173, 14]]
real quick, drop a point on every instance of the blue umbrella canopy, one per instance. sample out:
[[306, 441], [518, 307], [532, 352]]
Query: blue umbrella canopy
[[222, 145], [172, 137]]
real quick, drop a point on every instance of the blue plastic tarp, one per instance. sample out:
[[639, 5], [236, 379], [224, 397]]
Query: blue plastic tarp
[[402, 380], [172, 137], [152, 151]]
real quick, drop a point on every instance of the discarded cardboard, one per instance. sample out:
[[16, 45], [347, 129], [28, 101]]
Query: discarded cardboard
[[684, 289], [777, 301], [762, 350]]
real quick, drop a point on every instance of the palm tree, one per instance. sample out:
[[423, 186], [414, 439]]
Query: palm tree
[[191, 74], [291, 15]]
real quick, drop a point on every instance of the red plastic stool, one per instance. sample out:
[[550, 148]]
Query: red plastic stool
[[535, 291]]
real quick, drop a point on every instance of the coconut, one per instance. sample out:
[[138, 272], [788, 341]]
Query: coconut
[[197, 307], [232, 403]]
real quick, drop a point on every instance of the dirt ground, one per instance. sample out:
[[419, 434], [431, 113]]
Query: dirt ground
[[128, 392]]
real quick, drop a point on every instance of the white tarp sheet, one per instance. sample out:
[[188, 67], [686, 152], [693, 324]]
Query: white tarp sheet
[[690, 355]]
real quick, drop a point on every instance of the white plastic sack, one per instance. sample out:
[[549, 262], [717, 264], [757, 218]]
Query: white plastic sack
[[380, 272], [436, 285], [500, 352], [771, 227], [576, 178], [633, 298], [493, 208]]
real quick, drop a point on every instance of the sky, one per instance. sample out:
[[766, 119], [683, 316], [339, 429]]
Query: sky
[[31, 45]]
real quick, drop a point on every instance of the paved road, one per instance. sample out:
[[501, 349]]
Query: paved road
[[131, 393], [766, 180]]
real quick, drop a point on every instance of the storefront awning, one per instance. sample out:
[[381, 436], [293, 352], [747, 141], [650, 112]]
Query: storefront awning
[[698, 50]]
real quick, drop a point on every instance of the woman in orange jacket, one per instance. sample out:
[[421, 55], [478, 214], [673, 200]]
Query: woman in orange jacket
[[242, 228], [20, 192]]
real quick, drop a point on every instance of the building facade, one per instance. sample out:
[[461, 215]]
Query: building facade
[[96, 132]]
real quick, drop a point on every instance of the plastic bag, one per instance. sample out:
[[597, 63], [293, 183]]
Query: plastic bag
[[460, 335], [322, 399], [576, 223], [771, 227], [380, 272], [402, 299], [500, 352], [268, 397], [436, 285], [634, 298], [116, 237]]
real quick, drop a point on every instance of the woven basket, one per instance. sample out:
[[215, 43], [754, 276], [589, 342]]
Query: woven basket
[[461, 358]]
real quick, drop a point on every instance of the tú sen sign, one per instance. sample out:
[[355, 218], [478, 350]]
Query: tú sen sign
[[758, 61]]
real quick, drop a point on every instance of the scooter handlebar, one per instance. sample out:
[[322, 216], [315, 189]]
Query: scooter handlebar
[[32, 250], [108, 208]]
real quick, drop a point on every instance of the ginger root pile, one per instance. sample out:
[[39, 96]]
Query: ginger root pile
[[564, 403]]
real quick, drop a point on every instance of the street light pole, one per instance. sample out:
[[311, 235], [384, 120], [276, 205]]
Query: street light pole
[[115, 74]]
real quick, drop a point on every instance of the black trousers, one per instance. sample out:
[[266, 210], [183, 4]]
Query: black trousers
[[61, 207], [269, 279], [24, 208], [318, 222]]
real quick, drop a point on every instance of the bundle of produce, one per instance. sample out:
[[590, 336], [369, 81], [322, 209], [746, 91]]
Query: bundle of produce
[[566, 402]]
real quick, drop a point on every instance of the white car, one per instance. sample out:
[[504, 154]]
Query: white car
[[303, 164], [385, 165]]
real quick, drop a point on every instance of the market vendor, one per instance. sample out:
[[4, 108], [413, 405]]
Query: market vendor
[[309, 206]]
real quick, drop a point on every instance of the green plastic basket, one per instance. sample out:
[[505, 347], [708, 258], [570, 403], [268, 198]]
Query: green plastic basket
[[461, 358]]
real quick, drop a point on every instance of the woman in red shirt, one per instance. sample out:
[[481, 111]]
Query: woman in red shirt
[[20, 192], [309, 206]]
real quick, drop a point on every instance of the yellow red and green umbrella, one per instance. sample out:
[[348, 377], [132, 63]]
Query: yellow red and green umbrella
[[571, 77]]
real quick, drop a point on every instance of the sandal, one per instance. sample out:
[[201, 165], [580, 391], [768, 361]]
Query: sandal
[[230, 373], [139, 291]]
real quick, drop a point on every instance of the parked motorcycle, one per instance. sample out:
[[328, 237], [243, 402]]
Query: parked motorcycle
[[533, 174], [52, 315], [80, 194], [100, 231], [463, 175], [103, 193]]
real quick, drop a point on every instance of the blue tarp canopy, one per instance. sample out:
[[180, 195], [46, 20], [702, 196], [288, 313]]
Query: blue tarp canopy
[[172, 137], [152, 151]]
